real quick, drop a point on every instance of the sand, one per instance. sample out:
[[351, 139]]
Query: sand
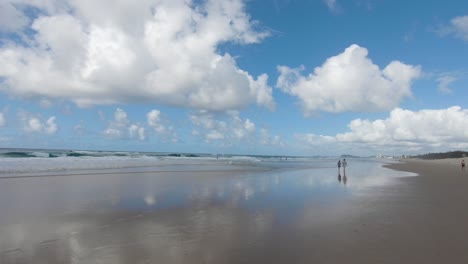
[[421, 219]]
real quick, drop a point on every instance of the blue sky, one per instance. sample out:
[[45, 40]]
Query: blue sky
[[282, 77]]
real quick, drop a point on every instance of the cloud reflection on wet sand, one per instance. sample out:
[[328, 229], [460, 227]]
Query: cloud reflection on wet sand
[[183, 217]]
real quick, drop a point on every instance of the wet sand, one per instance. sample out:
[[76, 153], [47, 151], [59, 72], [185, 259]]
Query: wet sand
[[423, 221], [200, 217]]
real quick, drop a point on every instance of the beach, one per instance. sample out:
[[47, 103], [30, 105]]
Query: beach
[[422, 219], [238, 212]]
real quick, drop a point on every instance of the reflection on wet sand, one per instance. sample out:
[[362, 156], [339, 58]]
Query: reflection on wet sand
[[190, 217], [170, 236]]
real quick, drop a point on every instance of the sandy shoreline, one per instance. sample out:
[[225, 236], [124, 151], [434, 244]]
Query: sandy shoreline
[[420, 219]]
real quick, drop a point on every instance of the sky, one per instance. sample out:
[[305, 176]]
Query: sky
[[269, 77]]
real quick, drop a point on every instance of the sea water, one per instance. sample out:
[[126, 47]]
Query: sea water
[[89, 206]]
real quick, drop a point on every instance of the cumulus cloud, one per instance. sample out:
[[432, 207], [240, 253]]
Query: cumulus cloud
[[349, 81], [457, 27], [35, 124], [122, 128], [132, 51], [435, 127], [212, 129], [241, 128], [161, 127], [230, 128], [11, 18], [272, 140], [403, 130], [137, 132], [154, 121], [50, 126]]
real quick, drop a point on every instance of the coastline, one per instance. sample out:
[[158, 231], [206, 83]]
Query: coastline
[[427, 167], [420, 219], [426, 215], [200, 217]]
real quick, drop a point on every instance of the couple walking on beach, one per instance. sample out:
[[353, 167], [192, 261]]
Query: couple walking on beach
[[343, 164]]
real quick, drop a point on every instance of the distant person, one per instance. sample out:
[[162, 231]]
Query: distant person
[[463, 165], [344, 163], [339, 166]]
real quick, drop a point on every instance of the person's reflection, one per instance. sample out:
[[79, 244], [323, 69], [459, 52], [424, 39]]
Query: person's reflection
[[339, 177], [345, 179]]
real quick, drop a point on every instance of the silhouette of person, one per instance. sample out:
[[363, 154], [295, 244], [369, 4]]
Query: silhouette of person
[[339, 166], [463, 165], [344, 163]]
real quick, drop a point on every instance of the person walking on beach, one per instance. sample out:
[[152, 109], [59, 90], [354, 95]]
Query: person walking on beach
[[339, 167], [463, 165], [344, 163]]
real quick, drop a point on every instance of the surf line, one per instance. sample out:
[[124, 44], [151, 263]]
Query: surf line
[[123, 172]]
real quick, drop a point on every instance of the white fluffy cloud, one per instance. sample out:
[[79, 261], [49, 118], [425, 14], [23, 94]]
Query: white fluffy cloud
[[11, 19], [35, 124], [122, 128], [241, 128], [403, 130], [154, 121], [230, 128], [349, 82], [160, 126], [436, 127], [104, 52], [2, 119], [50, 126], [272, 140], [135, 131]]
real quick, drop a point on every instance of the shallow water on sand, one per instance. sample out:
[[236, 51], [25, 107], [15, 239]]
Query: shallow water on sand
[[214, 212]]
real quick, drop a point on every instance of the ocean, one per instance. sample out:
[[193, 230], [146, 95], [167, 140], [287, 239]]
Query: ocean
[[19, 162]]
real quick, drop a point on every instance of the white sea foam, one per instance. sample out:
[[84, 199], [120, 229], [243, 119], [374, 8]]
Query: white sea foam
[[37, 162]]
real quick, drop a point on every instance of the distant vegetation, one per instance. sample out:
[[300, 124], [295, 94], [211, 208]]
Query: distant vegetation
[[445, 155]]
